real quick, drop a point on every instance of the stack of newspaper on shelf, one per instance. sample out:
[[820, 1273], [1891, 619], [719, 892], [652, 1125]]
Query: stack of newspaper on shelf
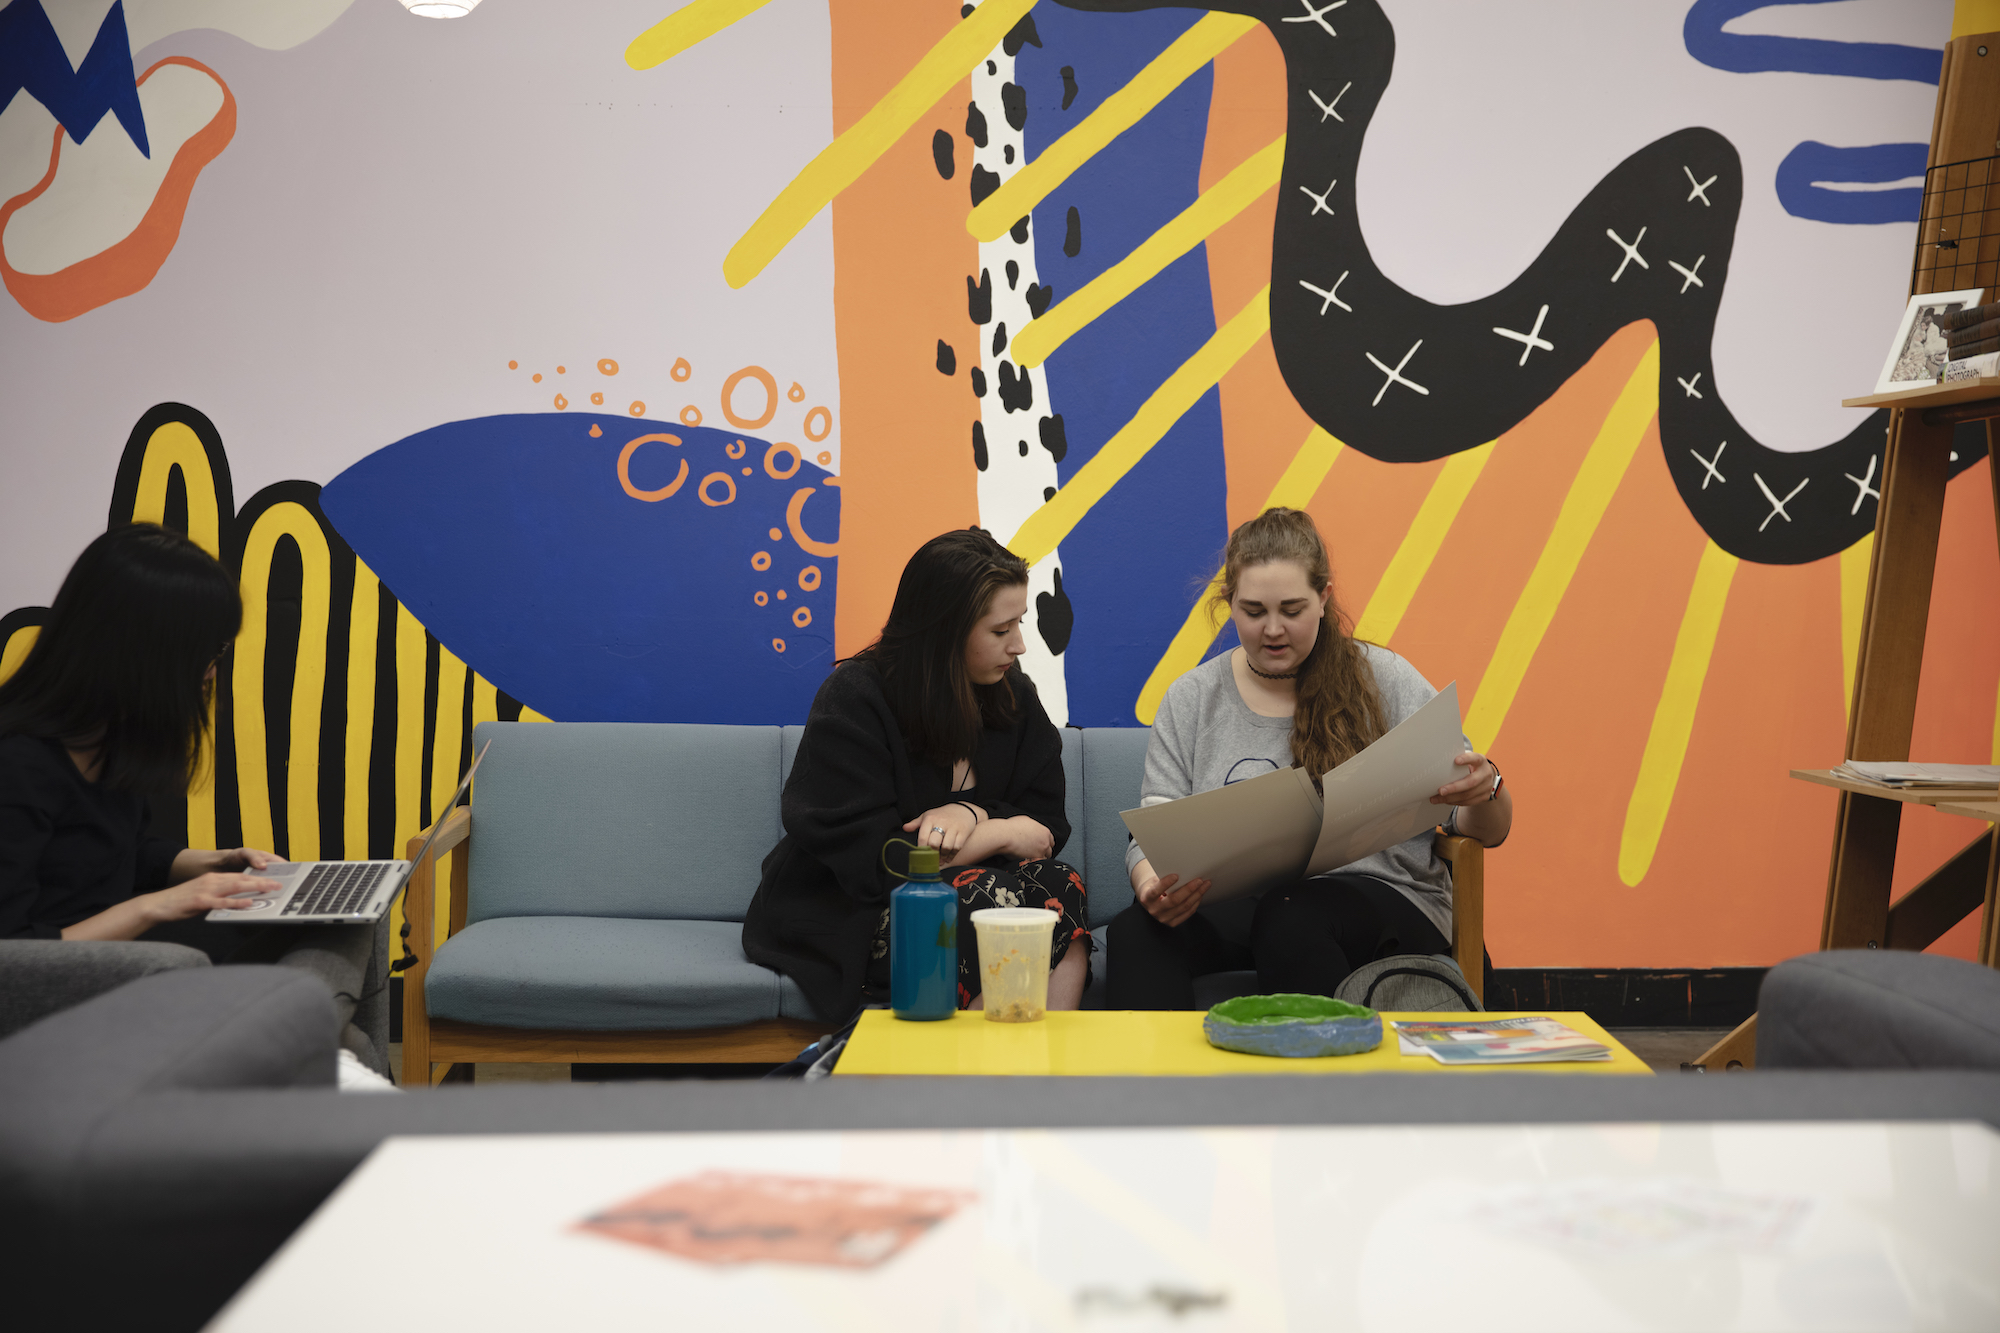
[[1497, 1041], [1914, 776]]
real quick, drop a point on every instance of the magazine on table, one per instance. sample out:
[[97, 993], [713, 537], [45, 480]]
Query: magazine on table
[[1497, 1041], [1251, 835]]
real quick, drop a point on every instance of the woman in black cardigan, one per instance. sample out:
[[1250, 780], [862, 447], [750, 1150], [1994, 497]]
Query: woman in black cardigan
[[931, 734]]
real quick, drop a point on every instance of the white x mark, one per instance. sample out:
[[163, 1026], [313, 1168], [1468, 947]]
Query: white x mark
[[1865, 489], [1700, 188], [1328, 293], [1631, 251], [1318, 15], [1530, 340], [1687, 386], [1714, 472], [1396, 375], [1777, 505], [1688, 274], [1319, 198], [1327, 108]]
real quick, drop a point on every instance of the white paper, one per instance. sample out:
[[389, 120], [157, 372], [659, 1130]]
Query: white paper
[[1243, 837], [1382, 796], [1925, 775], [1251, 835]]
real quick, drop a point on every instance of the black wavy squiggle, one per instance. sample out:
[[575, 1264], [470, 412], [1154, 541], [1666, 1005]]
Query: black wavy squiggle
[[1405, 380]]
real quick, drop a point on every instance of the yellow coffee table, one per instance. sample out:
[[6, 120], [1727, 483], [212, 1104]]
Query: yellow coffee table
[[1139, 1042]]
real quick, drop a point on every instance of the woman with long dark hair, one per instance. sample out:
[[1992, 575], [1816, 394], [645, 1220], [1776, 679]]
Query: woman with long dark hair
[[930, 733], [1299, 691], [108, 710]]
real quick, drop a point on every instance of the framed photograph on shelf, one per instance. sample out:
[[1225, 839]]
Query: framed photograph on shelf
[[1917, 357]]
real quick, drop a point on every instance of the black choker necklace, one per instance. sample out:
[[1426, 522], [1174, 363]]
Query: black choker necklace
[[1283, 675]]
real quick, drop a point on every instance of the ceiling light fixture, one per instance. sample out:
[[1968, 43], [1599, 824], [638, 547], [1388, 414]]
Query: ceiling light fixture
[[440, 9]]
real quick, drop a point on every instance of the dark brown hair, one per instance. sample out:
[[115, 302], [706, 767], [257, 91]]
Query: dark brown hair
[[122, 662], [1340, 709], [946, 589]]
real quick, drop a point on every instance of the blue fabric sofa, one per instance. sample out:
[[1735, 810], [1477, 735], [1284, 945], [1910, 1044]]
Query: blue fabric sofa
[[598, 914]]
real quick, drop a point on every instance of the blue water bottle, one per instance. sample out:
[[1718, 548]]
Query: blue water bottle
[[923, 941]]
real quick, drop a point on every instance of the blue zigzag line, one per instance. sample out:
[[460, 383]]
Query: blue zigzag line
[[1758, 53], [32, 60]]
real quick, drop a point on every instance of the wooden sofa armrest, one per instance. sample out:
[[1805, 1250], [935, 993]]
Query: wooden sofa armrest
[[1468, 906], [419, 917]]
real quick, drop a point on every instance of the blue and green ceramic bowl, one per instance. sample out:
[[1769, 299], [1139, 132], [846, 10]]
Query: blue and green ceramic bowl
[[1292, 1026]]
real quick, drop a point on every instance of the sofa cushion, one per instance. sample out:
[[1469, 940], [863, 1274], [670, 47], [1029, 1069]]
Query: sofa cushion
[[618, 819], [1076, 850], [601, 974], [1878, 1009], [1114, 762]]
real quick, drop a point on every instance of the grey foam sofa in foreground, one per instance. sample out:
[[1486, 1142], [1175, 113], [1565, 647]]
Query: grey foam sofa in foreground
[[158, 1143], [598, 914]]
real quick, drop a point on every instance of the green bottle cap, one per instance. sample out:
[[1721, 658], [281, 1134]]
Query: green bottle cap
[[923, 861]]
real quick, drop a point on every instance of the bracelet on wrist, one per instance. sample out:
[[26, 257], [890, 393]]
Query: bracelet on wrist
[[976, 819]]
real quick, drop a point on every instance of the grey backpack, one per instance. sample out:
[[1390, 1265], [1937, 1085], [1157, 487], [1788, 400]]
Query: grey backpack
[[1410, 982]]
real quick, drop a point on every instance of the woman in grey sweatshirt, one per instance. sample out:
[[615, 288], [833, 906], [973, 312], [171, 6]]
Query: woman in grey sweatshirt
[[1299, 691]]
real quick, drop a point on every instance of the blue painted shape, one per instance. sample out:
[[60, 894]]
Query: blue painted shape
[[512, 540], [1813, 161], [1750, 53], [32, 60], [1136, 562]]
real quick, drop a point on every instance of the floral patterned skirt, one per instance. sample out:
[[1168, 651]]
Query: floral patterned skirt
[[1050, 884]]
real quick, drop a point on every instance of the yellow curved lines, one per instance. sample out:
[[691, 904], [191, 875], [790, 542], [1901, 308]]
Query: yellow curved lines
[[281, 521], [1210, 210], [1419, 547], [15, 650], [1582, 509], [1046, 527], [1114, 115], [175, 445], [794, 523], [841, 162], [1854, 563], [690, 24], [1294, 490], [363, 623], [1673, 717]]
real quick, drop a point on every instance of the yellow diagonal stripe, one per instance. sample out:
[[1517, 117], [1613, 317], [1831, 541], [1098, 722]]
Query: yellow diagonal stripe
[[691, 23], [1294, 490], [841, 162], [1582, 509], [1853, 600], [1420, 544], [1213, 207], [1673, 719], [1113, 116], [1047, 526]]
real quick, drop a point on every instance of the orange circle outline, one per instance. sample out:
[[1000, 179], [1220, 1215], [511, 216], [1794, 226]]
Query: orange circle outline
[[625, 469], [681, 370], [797, 461], [813, 571], [761, 597], [802, 617], [690, 415], [736, 449], [778, 644], [824, 414], [726, 480], [604, 361], [763, 377], [765, 557]]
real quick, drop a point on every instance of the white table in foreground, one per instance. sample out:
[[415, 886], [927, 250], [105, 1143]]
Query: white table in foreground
[[1775, 1225]]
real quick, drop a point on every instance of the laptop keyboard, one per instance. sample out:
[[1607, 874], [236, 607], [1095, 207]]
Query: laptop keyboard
[[336, 888]]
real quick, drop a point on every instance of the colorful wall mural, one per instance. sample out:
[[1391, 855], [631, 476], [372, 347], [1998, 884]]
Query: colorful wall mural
[[607, 363]]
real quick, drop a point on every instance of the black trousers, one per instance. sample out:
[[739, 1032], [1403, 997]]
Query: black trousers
[[1304, 939]]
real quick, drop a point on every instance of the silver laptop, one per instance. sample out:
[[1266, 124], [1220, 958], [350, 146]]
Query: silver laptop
[[311, 893]]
